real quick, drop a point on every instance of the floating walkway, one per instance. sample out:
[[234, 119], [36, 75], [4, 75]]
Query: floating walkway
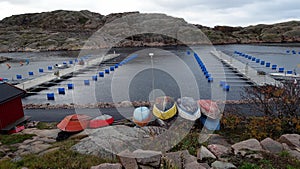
[[245, 70], [31, 84]]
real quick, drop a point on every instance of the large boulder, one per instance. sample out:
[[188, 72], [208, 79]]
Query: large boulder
[[251, 145], [218, 150], [108, 166], [127, 159], [292, 140], [108, 141], [271, 145], [204, 153], [180, 158], [222, 165], [148, 158]]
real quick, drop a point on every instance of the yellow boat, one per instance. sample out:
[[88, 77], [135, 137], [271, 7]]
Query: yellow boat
[[164, 107]]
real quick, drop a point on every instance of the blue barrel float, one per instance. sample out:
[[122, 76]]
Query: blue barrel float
[[95, 78], [262, 62], [30, 73], [61, 90], [210, 79], [70, 86], [257, 60], [41, 70], [70, 62], [226, 87], [289, 72], [274, 67], [107, 71], [253, 59], [50, 67], [86, 82], [101, 74], [268, 64], [112, 68], [281, 69], [50, 96], [116, 66], [19, 77], [188, 52]]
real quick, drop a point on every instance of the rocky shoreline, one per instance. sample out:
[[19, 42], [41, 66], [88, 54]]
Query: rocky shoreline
[[122, 104], [216, 153]]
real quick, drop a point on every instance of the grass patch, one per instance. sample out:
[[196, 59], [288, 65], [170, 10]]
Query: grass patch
[[190, 143], [62, 158], [14, 138], [46, 126]]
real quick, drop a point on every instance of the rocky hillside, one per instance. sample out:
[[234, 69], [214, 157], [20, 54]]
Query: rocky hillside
[[69, 30]]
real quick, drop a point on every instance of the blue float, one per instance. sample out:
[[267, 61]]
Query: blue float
[[71, 62], [116, 66], [41, 70], [281, 70], [61, 90], [70, 86], [288, 51], [95, 78], [207, 75], [64, 63], [107, 71], [86, 82], [257, 60], [253, 59], [19, 76], [112, 68], [268, 64], [188, 52], [50, 67], [226, 87], [262, 62], [30, 73], [50, 96], [274, 67], [101, 74], [249, 57], [289, 72], [210, 79]]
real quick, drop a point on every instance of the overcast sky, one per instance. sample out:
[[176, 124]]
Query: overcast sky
[[208, 13]]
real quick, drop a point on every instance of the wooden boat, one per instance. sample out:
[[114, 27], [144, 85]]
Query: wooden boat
[[101, 121], [74, 123], [141, 116], [164, 107], [188, 108]]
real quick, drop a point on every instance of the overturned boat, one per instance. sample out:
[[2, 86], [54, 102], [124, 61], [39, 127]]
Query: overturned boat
[[211, 114], [188, 108], [74, 123], [141, 116], [101, 121], [164, 108]]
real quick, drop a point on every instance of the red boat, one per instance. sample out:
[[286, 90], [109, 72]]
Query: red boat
[[210, 109], [16, 129], [74, 123], [101, 121]]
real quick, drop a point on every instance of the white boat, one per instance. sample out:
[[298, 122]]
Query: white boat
[[61, 66], [188, 108], [285, 76]]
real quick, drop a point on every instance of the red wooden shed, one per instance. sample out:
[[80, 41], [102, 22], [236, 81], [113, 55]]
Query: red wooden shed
[[11, 109]]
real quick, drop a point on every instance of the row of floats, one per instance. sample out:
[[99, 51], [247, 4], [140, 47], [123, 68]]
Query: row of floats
[[210, 79], [292, 52], [164, 108], [263, 63], [86, 82], [51, 68]]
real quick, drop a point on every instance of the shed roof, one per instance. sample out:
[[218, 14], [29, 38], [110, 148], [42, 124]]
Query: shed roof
[[9, 92]]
